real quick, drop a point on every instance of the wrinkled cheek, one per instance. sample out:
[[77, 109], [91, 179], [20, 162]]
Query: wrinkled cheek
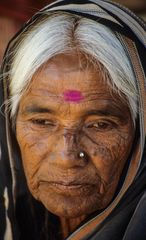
[[32, 160], [109, 170], [107, 158], [30, 171], [34, 152], [101, 156]]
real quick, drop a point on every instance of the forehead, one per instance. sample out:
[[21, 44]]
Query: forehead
[[69, 74], [70, 81], [66, 87]]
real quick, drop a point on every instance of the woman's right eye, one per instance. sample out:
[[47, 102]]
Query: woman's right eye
[[43, 122]]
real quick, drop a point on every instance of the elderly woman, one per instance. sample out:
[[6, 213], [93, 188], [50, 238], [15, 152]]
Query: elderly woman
[[74, 93]]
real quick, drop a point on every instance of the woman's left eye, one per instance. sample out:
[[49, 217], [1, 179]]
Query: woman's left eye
[[101, 125]]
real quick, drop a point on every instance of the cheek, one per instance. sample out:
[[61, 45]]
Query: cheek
[[34, 150], [33, 144], [108, 154]]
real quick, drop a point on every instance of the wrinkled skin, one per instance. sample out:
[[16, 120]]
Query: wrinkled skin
[[52, 131]]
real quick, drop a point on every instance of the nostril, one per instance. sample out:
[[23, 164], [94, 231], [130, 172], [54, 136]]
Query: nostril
[[76, 155], [69, 159]]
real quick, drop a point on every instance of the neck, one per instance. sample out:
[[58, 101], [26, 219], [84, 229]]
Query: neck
[[69, 225]]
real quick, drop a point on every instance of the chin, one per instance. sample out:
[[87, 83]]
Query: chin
[[70, 207], [71, 204]]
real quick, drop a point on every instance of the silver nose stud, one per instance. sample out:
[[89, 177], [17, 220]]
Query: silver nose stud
[[81, 155]]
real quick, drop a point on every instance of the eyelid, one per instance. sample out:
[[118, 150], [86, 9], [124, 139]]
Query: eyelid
[[112, 120], [110, 124], [41, 121]]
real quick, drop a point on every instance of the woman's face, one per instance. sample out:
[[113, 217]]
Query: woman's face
[[69, 109]]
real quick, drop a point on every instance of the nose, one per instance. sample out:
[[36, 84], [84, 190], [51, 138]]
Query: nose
[[67, 152]]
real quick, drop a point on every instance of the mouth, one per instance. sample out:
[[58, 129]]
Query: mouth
[[68, 188]]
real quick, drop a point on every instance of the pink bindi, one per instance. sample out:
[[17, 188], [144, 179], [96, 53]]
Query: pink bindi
[[73, 96]]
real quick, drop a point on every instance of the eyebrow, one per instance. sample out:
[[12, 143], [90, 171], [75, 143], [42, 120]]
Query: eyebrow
[[107, 111], [37, 109]]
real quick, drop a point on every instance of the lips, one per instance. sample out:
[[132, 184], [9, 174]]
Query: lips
[[68, 187]]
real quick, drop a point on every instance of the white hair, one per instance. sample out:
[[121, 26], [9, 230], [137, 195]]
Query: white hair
[[55, 34]]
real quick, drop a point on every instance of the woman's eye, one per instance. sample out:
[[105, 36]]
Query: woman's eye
[[43, 122], [99, 126]]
